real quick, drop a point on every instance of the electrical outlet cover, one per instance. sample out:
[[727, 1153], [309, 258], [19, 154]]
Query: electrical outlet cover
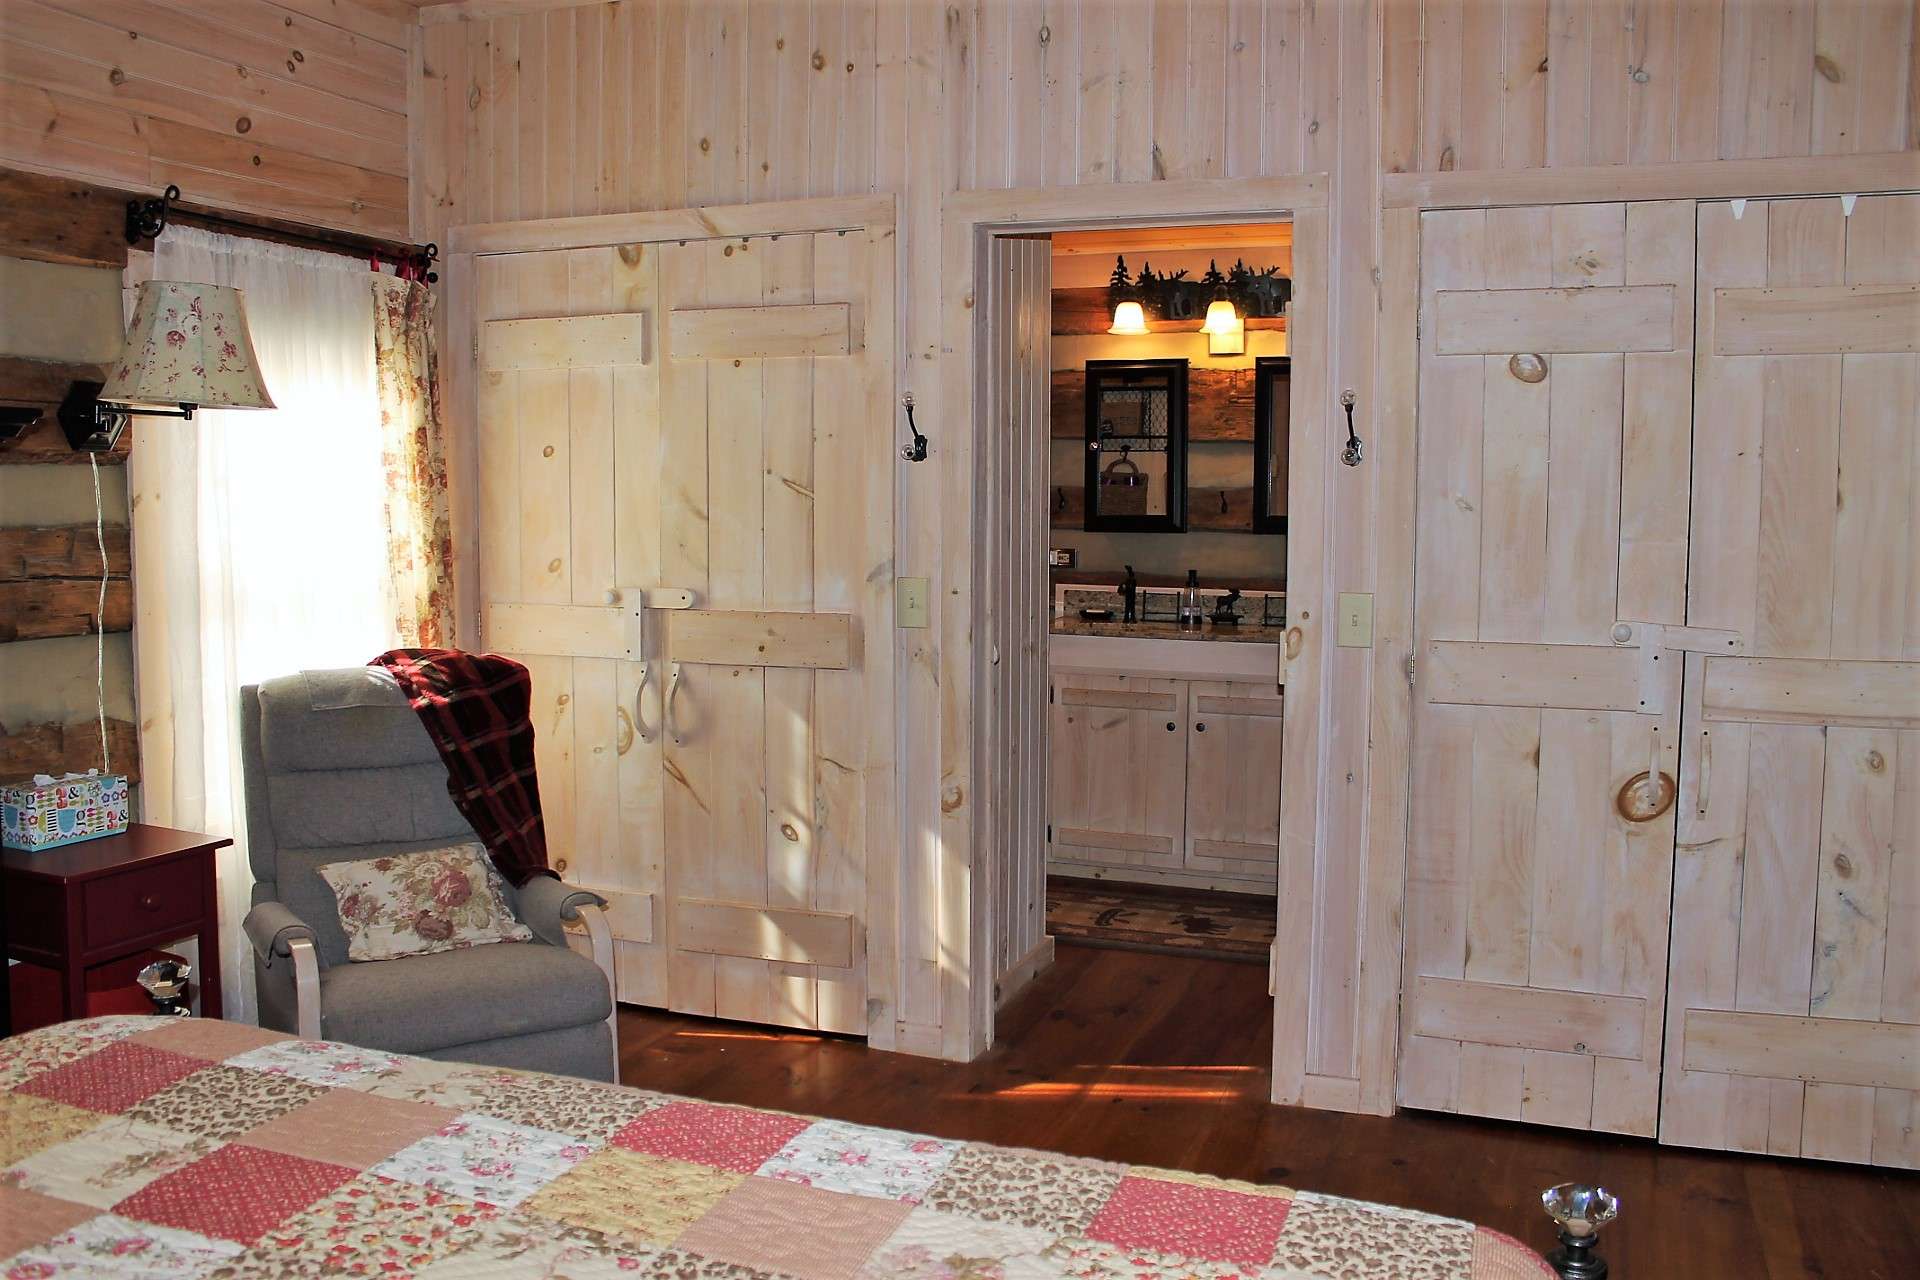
[[1356, 620], [910, 602]]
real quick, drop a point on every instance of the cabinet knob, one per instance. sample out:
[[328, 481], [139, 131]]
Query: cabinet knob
[[149, 903], [1170, 726], [1201, 727]]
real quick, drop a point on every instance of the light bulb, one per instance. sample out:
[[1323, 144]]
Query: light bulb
[[1221, 317], [1129, 318]]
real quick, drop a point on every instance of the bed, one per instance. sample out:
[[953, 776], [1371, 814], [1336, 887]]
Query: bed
[[156, 1147]]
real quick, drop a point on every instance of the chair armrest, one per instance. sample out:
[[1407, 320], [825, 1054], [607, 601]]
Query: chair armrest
[[546, 905], [274, 932], [272, 929]]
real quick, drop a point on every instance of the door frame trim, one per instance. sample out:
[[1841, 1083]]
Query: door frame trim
[[968, 219]]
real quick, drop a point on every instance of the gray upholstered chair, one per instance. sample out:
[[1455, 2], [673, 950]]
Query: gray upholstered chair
[[339, 768]]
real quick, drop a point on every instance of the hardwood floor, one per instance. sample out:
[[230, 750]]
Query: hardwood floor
[[1162, 1060]]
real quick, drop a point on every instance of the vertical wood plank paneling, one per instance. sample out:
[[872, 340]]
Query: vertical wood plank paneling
[[801, 564], [1168, 78], [1442, 74], [1285, 113], [1475, 84], [1699, 45], [1140, 104], [1206, 62], [1652, 84], [505, 142], [1098, 89], [530, 167], [1483, 80], [1245, 80]]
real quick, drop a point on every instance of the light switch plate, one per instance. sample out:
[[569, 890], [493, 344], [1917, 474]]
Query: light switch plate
[[1061, 557], [910, 601], [1356, 620]]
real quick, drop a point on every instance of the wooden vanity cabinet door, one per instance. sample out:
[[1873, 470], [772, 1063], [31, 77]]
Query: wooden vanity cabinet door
[[1117, 771], [1233, 781]]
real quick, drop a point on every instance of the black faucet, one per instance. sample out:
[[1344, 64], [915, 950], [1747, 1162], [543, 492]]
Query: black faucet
[[1129, 590]]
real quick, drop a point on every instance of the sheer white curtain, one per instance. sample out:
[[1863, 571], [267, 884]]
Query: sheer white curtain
[[258, 539]]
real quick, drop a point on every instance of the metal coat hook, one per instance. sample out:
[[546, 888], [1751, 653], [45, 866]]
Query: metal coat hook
[[917, 451], [1354, 451]]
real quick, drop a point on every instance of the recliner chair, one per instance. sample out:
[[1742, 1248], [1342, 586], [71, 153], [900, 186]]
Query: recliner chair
[[338, 768]]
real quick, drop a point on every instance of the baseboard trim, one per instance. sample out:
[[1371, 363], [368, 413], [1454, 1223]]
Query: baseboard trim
[[1024, 971]]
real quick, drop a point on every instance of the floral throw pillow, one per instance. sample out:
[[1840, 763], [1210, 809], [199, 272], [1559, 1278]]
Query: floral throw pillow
[[411, 904]]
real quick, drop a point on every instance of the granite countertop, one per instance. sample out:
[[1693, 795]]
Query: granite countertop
[[1074, 625]]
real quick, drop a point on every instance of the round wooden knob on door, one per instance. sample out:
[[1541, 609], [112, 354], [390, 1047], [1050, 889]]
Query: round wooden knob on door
[[1645, 796]]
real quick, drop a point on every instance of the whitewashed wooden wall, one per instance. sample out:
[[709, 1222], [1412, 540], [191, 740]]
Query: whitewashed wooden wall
[[632, 105], [1521, 84]]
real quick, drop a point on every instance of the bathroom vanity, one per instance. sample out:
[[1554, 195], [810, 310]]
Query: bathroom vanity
[[1164, 752]]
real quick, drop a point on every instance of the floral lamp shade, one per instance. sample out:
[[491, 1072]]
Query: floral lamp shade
[[188, 345]]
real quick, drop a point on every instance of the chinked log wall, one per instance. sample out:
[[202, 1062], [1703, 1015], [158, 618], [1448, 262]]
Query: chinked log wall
[[50, 570]]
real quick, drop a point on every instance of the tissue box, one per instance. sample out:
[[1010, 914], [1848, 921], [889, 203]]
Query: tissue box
[[59, 811]]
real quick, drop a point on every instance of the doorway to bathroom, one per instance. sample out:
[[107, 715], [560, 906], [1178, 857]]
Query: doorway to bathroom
[[1132, 590]]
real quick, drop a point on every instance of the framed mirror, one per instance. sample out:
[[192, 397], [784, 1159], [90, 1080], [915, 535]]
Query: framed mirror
[[1272, 410], [1136, 445]]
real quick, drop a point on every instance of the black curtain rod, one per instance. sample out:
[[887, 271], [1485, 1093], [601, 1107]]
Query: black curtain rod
[[147, 218]]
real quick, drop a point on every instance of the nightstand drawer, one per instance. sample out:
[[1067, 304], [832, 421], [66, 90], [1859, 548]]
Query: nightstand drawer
[[139, 903]]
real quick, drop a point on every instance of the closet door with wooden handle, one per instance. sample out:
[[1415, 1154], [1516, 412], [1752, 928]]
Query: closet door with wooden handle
[[776, 510], [567, 403], [1551, 479], [1117, 771], [1794, 1000]]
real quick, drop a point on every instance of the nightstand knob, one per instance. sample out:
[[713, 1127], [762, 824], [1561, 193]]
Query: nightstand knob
[[149, 903]]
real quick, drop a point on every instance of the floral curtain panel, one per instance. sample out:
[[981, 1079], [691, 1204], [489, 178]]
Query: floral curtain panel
[[419, 525]]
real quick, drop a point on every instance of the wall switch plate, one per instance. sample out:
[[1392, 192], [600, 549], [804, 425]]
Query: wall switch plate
[[1061, 557], [1356, 620], [910, 601]]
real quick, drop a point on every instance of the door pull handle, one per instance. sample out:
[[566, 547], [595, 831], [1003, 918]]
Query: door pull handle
[[1705, 772], [673, 696], [640, 705]]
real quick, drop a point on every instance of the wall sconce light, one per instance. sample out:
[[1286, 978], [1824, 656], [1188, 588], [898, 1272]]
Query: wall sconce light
[[1228, 296], [1129, 319], [1229, 342], [1221, 317], [1226, 331], [188, 348]]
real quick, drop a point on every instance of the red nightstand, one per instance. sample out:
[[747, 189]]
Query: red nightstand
[[91, 904]]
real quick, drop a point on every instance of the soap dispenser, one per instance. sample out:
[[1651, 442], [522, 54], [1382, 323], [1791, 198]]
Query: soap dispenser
[[1192, 613]]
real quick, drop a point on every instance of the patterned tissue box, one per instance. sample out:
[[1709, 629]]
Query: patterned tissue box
[[46, 813]]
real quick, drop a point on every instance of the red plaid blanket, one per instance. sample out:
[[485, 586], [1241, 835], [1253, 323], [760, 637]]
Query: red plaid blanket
[[476, 707]]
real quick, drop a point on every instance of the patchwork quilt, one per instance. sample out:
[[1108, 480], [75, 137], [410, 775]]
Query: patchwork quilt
[[160, 1148]]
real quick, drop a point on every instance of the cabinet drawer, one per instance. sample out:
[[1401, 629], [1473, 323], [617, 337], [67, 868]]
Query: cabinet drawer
[[140, 903]]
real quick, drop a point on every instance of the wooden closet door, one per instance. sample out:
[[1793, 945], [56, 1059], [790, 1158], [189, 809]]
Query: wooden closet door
[[568, 441], [1794, 1000], [1551, 557], [776, 510]]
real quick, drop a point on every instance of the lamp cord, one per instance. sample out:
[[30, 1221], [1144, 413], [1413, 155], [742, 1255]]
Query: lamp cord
[[100, 613]]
